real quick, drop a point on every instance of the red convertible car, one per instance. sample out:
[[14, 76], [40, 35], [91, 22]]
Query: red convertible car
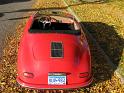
[[53, 53]]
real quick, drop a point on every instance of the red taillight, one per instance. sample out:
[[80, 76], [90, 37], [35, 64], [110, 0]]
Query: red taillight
[[28, 74], [83, 75]]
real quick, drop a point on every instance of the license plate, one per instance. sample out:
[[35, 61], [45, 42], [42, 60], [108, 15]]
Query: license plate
[[56, 79]]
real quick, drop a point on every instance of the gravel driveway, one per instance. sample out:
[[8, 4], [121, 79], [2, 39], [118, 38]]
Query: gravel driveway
[[10, 15]]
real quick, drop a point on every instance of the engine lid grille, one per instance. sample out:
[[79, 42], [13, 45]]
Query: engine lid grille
[[57, 49]]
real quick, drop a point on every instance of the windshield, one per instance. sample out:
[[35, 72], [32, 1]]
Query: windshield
[[54, 13]]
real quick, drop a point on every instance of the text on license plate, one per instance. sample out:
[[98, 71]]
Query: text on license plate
[[57, 80]]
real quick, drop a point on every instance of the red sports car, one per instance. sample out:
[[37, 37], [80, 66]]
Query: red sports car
[[53, 53]]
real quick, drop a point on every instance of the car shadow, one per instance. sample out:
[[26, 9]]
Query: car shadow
[[112, 44], [11, 1]]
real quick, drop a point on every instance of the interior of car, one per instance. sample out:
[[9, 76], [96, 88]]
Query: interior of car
[[47, 24]]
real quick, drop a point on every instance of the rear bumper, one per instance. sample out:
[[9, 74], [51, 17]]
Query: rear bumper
[[44, 86]]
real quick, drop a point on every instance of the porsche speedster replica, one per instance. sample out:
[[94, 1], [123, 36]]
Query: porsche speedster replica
[[53, 53]]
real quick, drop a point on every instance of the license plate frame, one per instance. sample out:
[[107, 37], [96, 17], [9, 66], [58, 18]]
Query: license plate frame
[[56, 79]]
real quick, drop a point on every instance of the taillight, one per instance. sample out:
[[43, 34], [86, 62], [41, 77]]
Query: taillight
[[83, 75], [28, 75]]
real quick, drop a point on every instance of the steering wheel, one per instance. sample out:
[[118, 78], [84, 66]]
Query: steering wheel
[[47, 20]]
